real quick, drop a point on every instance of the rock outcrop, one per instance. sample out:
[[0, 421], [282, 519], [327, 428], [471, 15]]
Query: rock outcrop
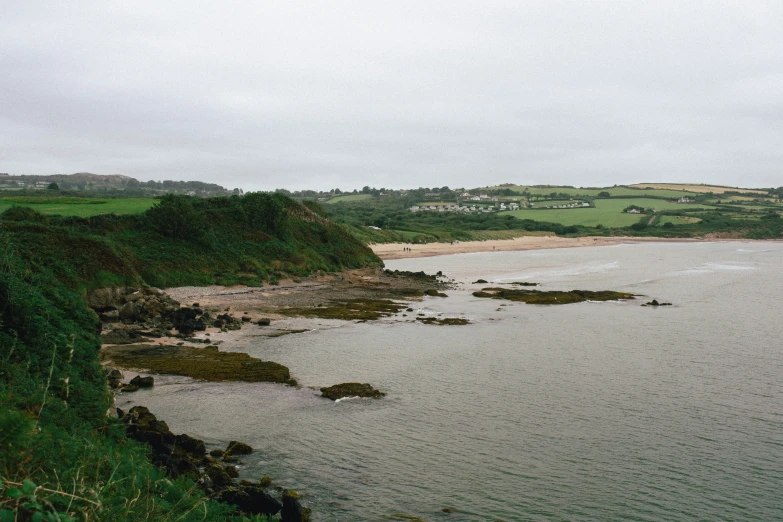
[[183, 455], [351, 389]]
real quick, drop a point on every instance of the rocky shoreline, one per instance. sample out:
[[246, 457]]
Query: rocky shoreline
[[213, 472], [150, 331]]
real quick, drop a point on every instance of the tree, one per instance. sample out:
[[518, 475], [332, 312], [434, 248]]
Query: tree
[[604, 194], [175, 216], [53, 186]]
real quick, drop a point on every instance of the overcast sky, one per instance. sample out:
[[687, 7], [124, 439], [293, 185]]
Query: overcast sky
[[263, 95]]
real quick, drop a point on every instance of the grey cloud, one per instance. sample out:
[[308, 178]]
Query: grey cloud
[[319, 95]]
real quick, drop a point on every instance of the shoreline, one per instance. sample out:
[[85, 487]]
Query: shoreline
[[391, 251]]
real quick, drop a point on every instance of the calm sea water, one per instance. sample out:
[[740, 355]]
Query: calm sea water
[[591, 411]]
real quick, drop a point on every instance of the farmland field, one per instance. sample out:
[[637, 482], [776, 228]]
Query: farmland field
[[695, 188], [81, 207], [350, 197], [614, 191], [676, 220], [607, 212]]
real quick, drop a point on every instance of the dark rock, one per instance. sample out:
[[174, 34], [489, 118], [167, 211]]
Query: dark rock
[[655, 302], [265, 482], [246, 319], [114, 378], [264, 322], [218, 476], [479, 282], [196, 305], [238, 448], [190, 444], [130, 388], [231, 471], [292, 510], [251, 498], [434, 293], [217, 453], [128, 312], [142, 382], [351, 389]]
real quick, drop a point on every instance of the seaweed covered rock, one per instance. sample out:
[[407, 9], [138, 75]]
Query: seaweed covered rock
[[238, 448], [551, 297], [351, 389]]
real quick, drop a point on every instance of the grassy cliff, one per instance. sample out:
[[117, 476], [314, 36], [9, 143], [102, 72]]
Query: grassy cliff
[[60, 454]]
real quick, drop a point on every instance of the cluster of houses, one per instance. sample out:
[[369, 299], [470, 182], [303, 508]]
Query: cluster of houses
[[465, 209], [32, 185], [467, 196]]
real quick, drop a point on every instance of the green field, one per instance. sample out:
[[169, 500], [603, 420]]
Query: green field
[[607, 212], [352, 197], [676, 220], [614, 191], [81, 207], [551, 203]]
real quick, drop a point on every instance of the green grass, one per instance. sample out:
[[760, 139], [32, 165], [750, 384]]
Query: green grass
[[352, 197], [407, 233], [607, 212], [80, 207]]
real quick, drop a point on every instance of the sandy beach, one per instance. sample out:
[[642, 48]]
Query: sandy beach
[[398, 250]]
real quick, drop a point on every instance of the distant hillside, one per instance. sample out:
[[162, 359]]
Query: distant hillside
[[112, 184]]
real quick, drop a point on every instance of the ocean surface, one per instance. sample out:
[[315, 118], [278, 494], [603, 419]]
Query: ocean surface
[[590, 411]]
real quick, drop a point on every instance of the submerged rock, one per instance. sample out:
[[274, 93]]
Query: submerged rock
[[655, 302], [453, 321], [351, 389]]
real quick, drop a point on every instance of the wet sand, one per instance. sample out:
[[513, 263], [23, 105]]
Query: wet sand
[[397, 250]]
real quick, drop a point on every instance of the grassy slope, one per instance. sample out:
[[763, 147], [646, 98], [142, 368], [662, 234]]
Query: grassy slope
[[351, 197], [53, 396]]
